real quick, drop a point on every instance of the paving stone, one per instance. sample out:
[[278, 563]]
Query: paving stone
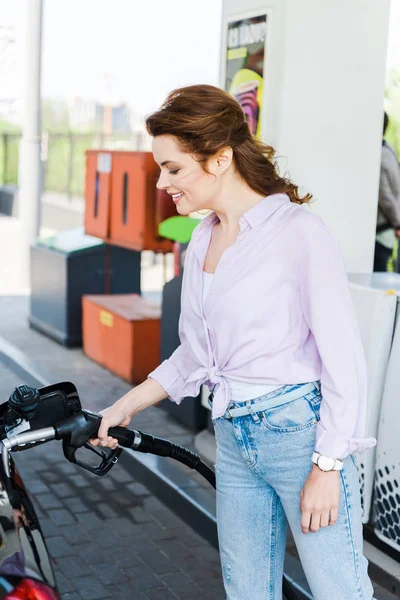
[[126, 593], [140, 515], [64, 490], [76, 505], [75, 534], [72, 567], [79, 480], [49, 528], [167, 518], [93, 495], [139, 544], [158, 562], [182, 584], [105, 538], [120, 475], [123, 499], [58, 547], [110, 484], [160, 594], [125, 558], [122, 527], [139, 489], [142, 578], [107, 511], [38, 487], [67, 468], [89, 521], [90, 588], [63, 584], [51, 476], [175, 550], [109, 574], [91, 554], [48, 501], [62, 517]]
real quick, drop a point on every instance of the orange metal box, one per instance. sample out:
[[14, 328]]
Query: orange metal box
[[133, 203], [122, 333], [97, 193]]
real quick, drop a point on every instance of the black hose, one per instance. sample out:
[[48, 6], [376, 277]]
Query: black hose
[[144, 442]]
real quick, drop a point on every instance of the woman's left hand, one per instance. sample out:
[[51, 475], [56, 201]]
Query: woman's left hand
[[319, 497]]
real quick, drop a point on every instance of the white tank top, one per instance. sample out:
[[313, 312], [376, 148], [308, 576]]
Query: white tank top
[[240, 390]]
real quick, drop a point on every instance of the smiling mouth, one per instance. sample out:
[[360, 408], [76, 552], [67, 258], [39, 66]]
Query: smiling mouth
[[177, 197]]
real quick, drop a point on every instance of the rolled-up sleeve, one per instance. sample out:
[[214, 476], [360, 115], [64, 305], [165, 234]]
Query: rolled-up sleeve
[[329, 313], [174, 372]]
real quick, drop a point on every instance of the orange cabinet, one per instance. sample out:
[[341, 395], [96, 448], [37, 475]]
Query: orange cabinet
[[129, 214], [122, 333], [97, 193]]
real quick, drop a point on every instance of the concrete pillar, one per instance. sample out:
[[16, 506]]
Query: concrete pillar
[[29, 172]]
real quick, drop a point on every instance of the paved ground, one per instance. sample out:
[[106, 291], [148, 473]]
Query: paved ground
[[109, 537]]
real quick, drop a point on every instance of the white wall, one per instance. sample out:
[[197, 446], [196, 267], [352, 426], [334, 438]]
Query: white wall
[[324, 107]]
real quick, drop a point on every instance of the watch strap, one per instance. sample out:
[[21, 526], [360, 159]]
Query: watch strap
[[338, 466]]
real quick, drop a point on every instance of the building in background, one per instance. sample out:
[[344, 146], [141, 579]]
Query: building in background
[[89, 115]]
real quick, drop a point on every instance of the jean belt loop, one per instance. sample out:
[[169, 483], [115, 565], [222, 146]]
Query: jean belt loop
[[252, 412]]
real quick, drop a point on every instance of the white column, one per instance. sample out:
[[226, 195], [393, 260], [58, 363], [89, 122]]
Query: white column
[[29, 172], [323, 106]]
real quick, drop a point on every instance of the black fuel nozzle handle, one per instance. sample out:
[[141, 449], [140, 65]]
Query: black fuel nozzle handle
[[75, 432], [78, 428]]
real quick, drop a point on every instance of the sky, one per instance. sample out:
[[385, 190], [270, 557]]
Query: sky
[[132, 51], [122, 50]]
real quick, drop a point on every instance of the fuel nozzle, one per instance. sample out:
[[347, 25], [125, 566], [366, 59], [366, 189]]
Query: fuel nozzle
[[24, 401]]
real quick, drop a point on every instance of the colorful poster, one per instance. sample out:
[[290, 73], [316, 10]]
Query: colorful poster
[[245, 66]]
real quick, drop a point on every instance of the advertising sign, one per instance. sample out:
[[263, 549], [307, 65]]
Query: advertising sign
[[246, 43]]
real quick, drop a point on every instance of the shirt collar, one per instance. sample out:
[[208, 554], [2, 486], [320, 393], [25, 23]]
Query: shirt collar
[[257, 214], [261, 211]]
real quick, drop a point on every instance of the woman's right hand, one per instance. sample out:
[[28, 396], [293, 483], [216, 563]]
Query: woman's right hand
[[121, 412], [116, 414]]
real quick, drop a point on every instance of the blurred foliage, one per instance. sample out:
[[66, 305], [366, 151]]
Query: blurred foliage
[[64, 157], [9, 146], [63, 149], [54, 116]]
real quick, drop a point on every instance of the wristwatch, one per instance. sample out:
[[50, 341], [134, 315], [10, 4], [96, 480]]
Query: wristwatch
[[326, 463]]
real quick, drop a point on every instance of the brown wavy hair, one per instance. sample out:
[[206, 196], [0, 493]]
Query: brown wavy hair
[[206, 119]]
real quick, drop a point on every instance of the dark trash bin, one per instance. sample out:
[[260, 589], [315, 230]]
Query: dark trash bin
[[67, 266], [190, 411], [8, 194]]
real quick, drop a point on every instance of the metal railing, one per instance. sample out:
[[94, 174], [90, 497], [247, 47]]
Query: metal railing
[[63, 157]]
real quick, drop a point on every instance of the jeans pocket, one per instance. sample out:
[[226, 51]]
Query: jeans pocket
[[295, 415]]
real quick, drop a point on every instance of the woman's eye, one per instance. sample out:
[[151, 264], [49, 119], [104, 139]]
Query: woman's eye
[[174, 172]]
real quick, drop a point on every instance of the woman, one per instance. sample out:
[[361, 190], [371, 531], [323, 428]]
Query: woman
[[267, 322]]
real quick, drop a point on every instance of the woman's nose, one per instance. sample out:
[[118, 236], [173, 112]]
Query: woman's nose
[[162, 183]]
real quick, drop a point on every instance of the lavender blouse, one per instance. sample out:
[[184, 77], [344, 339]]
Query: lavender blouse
[[279, 312]]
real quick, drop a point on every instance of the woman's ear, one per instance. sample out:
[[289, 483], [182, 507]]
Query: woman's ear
[[224, 159]]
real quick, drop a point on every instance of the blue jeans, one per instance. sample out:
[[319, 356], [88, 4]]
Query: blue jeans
[[263, 461]]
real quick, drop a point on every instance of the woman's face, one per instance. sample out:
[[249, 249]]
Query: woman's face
[[190, 187]]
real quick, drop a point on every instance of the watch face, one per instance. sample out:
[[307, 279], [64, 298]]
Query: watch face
[[325, 463]]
